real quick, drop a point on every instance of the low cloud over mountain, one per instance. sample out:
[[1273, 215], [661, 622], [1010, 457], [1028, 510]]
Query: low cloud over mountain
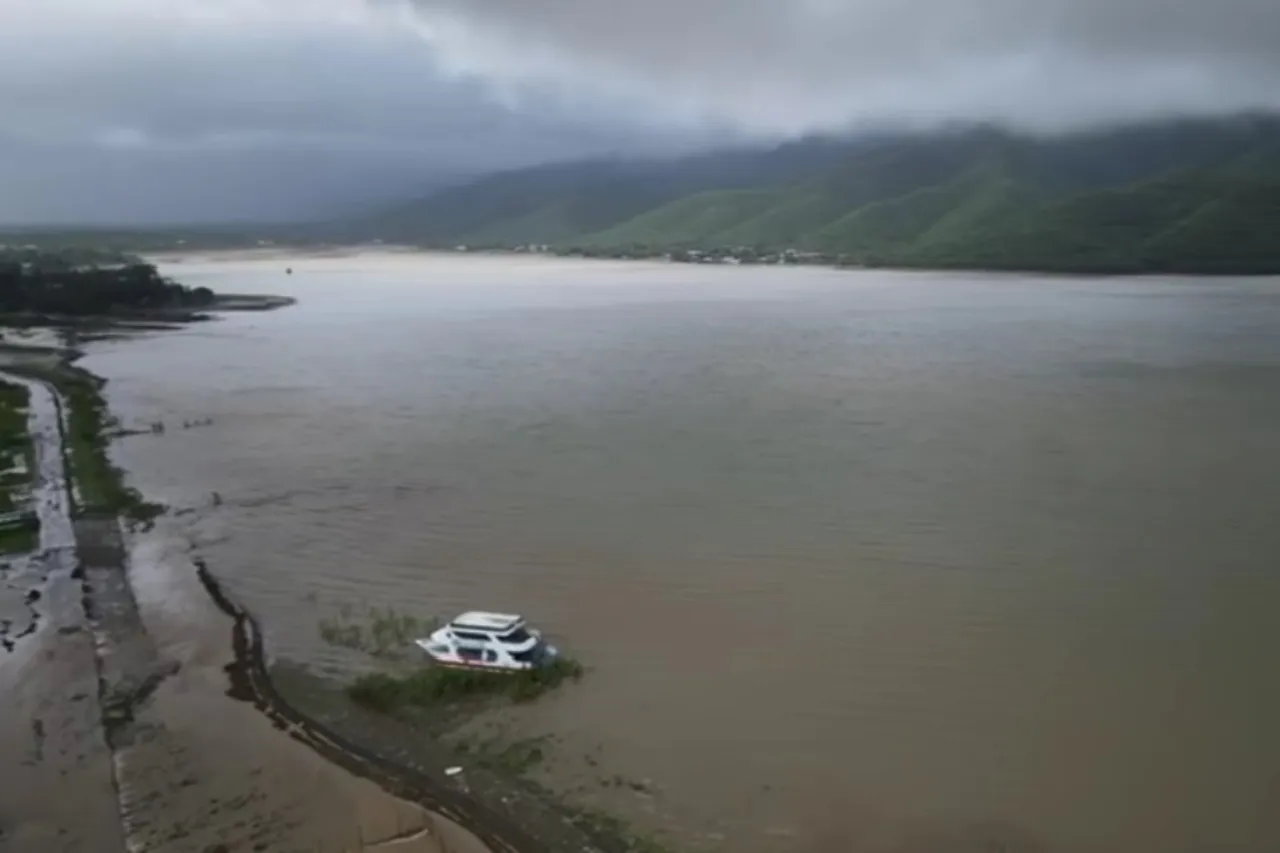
[[196, 106]]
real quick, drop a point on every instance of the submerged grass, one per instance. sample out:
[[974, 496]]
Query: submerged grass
[[382, 632], [600, 822], [516, 758], [436, 685]]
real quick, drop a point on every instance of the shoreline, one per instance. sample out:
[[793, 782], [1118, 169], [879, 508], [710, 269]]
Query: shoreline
[[250, 681], [153, 319], [709, 258], [69, 672], [501, 810], [127, 665]]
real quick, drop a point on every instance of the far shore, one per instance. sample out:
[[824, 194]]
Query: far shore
[[282, 252], [697, 258]]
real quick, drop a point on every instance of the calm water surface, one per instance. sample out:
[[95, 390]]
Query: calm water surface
[[859, 560]]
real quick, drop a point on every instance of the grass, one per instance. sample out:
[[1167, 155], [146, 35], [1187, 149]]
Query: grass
[[598, 822], [434, 686], [16, 448], [15, 440], [14, 400], [382, 633], [20, 539], [519, 757], [90, 426], [515, 758]]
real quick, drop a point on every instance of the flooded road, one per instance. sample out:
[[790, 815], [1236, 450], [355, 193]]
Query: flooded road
[[118, 733], [57, 788], [859, 561]]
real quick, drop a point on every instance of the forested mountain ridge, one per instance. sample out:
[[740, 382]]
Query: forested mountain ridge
[[1193, 196]]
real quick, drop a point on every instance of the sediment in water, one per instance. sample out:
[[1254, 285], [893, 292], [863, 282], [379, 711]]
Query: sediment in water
[[492, 809]]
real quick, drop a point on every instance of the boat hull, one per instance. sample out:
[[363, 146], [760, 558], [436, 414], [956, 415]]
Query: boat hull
[[479, 667], [549, 654]]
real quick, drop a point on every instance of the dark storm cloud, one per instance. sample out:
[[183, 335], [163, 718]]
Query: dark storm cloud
[[160, 95], [792, 65], [155, 109]]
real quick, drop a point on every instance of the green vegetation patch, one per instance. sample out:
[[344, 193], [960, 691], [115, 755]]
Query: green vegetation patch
[[71, 283], [16, 454], [89, 430], [599, 822], [20, 539], [382, 632], [14, 400], [18, 534], [1185, 196], [90, 427], [512, 757], [434, 686]]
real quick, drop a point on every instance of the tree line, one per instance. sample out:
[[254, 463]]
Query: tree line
[[33, 282]]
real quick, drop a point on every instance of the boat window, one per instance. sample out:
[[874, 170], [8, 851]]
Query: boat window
[[519, 635], [470, 635], [470, 652], [528, 655], [490, 655]]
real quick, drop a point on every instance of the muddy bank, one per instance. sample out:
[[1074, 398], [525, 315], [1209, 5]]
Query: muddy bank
[[197, 768], [250, 302], [24, 578], [410, 757], [189, 719], [250, 682], [58, 789], [122, 733], [57, 792], [150, 319]]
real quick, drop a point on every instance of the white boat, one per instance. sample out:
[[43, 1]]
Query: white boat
[[491, 641]]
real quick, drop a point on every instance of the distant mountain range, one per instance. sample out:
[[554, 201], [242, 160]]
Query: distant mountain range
[[1192, 196], [1195, 196]]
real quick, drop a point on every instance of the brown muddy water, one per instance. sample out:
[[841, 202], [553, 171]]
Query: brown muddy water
[[91, 766], [858, 560]]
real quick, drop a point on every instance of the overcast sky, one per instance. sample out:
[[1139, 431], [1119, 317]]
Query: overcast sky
[[137, 109]]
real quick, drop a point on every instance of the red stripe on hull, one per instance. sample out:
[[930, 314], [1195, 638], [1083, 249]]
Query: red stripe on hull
[[477, 667]]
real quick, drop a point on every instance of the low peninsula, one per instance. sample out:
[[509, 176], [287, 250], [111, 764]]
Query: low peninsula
[[85, 286]]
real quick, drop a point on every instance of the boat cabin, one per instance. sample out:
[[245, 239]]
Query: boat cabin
[[483, 640]]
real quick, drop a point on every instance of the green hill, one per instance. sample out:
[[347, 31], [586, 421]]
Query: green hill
[[695, 220], [1189, 221], [1197, 196], [546, 203]]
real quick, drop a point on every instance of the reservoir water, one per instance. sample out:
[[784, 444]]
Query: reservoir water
[[858, 560]]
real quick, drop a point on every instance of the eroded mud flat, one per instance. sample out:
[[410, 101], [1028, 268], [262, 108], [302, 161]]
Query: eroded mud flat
[[192, 771], [119, 733], [855, 559], [198, 768], [57, 790]]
